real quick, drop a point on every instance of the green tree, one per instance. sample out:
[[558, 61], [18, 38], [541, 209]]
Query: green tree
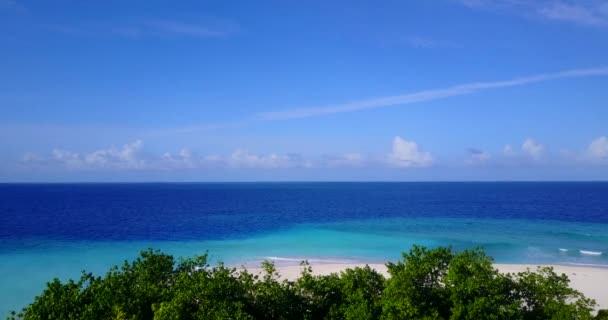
[[416, 289], [425, 284], [546, 295], [477, 290]]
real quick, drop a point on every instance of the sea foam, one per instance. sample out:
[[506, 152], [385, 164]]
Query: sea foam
[[590, 253], [311, 260]]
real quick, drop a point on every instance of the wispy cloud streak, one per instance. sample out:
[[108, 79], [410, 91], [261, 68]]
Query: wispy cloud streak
[[428, 95], [590, 16], [181, 28], [150, 28], [591, 13], [12, 5]]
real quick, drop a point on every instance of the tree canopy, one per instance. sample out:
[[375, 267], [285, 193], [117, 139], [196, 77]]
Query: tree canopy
[[425, 284]]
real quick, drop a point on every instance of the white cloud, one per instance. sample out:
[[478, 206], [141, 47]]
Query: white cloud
[[428, 95], [244, 159], [598, 148], [404, 154], [130, 157], [117, 158], [353, 159], [532, 148], [507, 150], [477, 157], [183, 159], [68, 158], [407, 154], [125, 157]]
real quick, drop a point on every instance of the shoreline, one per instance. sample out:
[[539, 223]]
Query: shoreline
[[591, 281]]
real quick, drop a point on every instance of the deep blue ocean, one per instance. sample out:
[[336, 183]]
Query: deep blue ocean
[[56, 230]]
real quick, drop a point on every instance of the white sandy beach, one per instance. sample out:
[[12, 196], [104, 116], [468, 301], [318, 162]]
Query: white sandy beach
[[593, 282]]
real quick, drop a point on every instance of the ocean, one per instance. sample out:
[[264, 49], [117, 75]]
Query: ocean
[[57, 230]]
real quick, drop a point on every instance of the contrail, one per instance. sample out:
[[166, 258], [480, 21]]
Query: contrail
[[427, 95]]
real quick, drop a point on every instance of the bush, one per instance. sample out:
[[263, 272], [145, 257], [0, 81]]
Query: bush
[[425, 284]]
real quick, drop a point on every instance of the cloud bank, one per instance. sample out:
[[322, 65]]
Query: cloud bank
[[126, 157], [403, 155]]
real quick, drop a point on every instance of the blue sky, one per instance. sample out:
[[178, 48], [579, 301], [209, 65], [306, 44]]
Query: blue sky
[[291, 90]]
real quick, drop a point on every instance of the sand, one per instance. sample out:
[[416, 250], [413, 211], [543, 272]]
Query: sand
[[593, 282]]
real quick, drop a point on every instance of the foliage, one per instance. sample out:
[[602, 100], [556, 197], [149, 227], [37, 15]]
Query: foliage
[[425, 284], [602, 315]]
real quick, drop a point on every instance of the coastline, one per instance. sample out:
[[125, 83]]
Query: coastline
[[591, 281]]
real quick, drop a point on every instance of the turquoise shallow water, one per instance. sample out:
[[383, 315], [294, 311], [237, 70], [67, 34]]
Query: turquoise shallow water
[[23, 273], [57, 230]]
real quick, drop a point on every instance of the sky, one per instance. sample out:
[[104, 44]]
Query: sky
[[441, 90]]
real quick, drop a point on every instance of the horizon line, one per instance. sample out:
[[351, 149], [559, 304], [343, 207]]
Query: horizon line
[[303, 181]]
